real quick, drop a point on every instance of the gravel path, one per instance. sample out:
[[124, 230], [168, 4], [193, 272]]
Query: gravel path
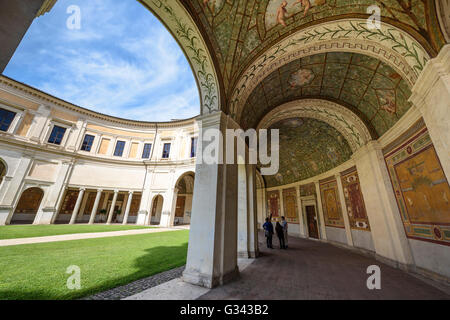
[[137, 286]]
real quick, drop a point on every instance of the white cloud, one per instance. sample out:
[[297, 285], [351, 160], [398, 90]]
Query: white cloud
[[122, 62]]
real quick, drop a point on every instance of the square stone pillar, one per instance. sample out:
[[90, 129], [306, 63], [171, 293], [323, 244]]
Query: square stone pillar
[[323, 230], [431, 96], [348, 230], [168, 209], [212, 251], [247, 232], [386, 226]]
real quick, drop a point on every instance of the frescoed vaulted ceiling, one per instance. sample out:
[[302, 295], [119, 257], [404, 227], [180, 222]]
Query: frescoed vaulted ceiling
[[308, 147], [370, 88], [240, 31]]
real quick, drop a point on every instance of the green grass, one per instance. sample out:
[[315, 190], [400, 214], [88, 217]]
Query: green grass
[[29, 231], [38, 271]]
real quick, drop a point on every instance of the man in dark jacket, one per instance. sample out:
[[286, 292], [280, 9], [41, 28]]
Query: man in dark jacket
[[268, 227]]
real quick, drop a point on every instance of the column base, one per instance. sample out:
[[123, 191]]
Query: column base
[[207, 280], [248, 254]]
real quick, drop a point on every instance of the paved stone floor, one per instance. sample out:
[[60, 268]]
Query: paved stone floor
[[314, 270]]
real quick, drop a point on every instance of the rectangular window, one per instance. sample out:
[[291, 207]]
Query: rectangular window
[[87, 143], [193, 147], [120, 145], [166, 151], [6, 118], [147, 150], [57, 135]]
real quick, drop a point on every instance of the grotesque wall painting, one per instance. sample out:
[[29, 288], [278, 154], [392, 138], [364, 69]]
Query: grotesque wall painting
[[421, 189], [356, 209], [330, 204], [273, 203], [240, 31], [308, 147], [290, 205], [372, 87], [308, 190]]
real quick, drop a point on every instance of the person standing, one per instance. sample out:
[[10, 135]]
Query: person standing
[[268, 231], [280, 234], [284, 224]]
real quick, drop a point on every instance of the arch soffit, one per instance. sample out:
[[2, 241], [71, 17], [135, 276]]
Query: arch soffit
[[389, 44], [180, 24], [339, 117]]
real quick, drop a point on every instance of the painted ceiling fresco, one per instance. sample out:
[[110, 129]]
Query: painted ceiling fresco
[[239, 31], [369, 87], [308, 147]]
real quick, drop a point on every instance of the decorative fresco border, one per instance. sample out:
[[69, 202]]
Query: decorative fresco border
[[330, 201], [339, 117], [350, 184], [290, 195], [415, 147]]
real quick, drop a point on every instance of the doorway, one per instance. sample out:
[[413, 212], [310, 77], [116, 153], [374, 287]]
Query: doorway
[[313, 230]]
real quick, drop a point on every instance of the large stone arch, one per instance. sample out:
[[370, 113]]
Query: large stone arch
[[28, 205], [181, 25], [341, 118], [3, 170], [388, 44]]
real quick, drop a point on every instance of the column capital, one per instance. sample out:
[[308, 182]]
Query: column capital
[[371, 146], [434, 70], [116, 191], [83, 189], [130, 192], [99, 190]]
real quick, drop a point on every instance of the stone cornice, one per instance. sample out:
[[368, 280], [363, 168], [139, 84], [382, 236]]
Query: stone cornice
[[435, 69], [41, 97]]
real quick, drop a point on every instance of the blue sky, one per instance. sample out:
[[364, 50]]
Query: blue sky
[[122, 62]]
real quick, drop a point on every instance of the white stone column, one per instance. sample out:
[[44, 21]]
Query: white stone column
[[188, 208], [77, 206], [252, 212], [385, 222], [301, 221], [95, 207], [168, 209], [431, 96], [83, 207], [348, 230], [127, 209], [212, 254], [144, 213], [243, 216], [323, 230], [111, 209], [247, 234]]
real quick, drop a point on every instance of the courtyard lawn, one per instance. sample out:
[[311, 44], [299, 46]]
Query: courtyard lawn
[[29, 231], [38, 271]]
